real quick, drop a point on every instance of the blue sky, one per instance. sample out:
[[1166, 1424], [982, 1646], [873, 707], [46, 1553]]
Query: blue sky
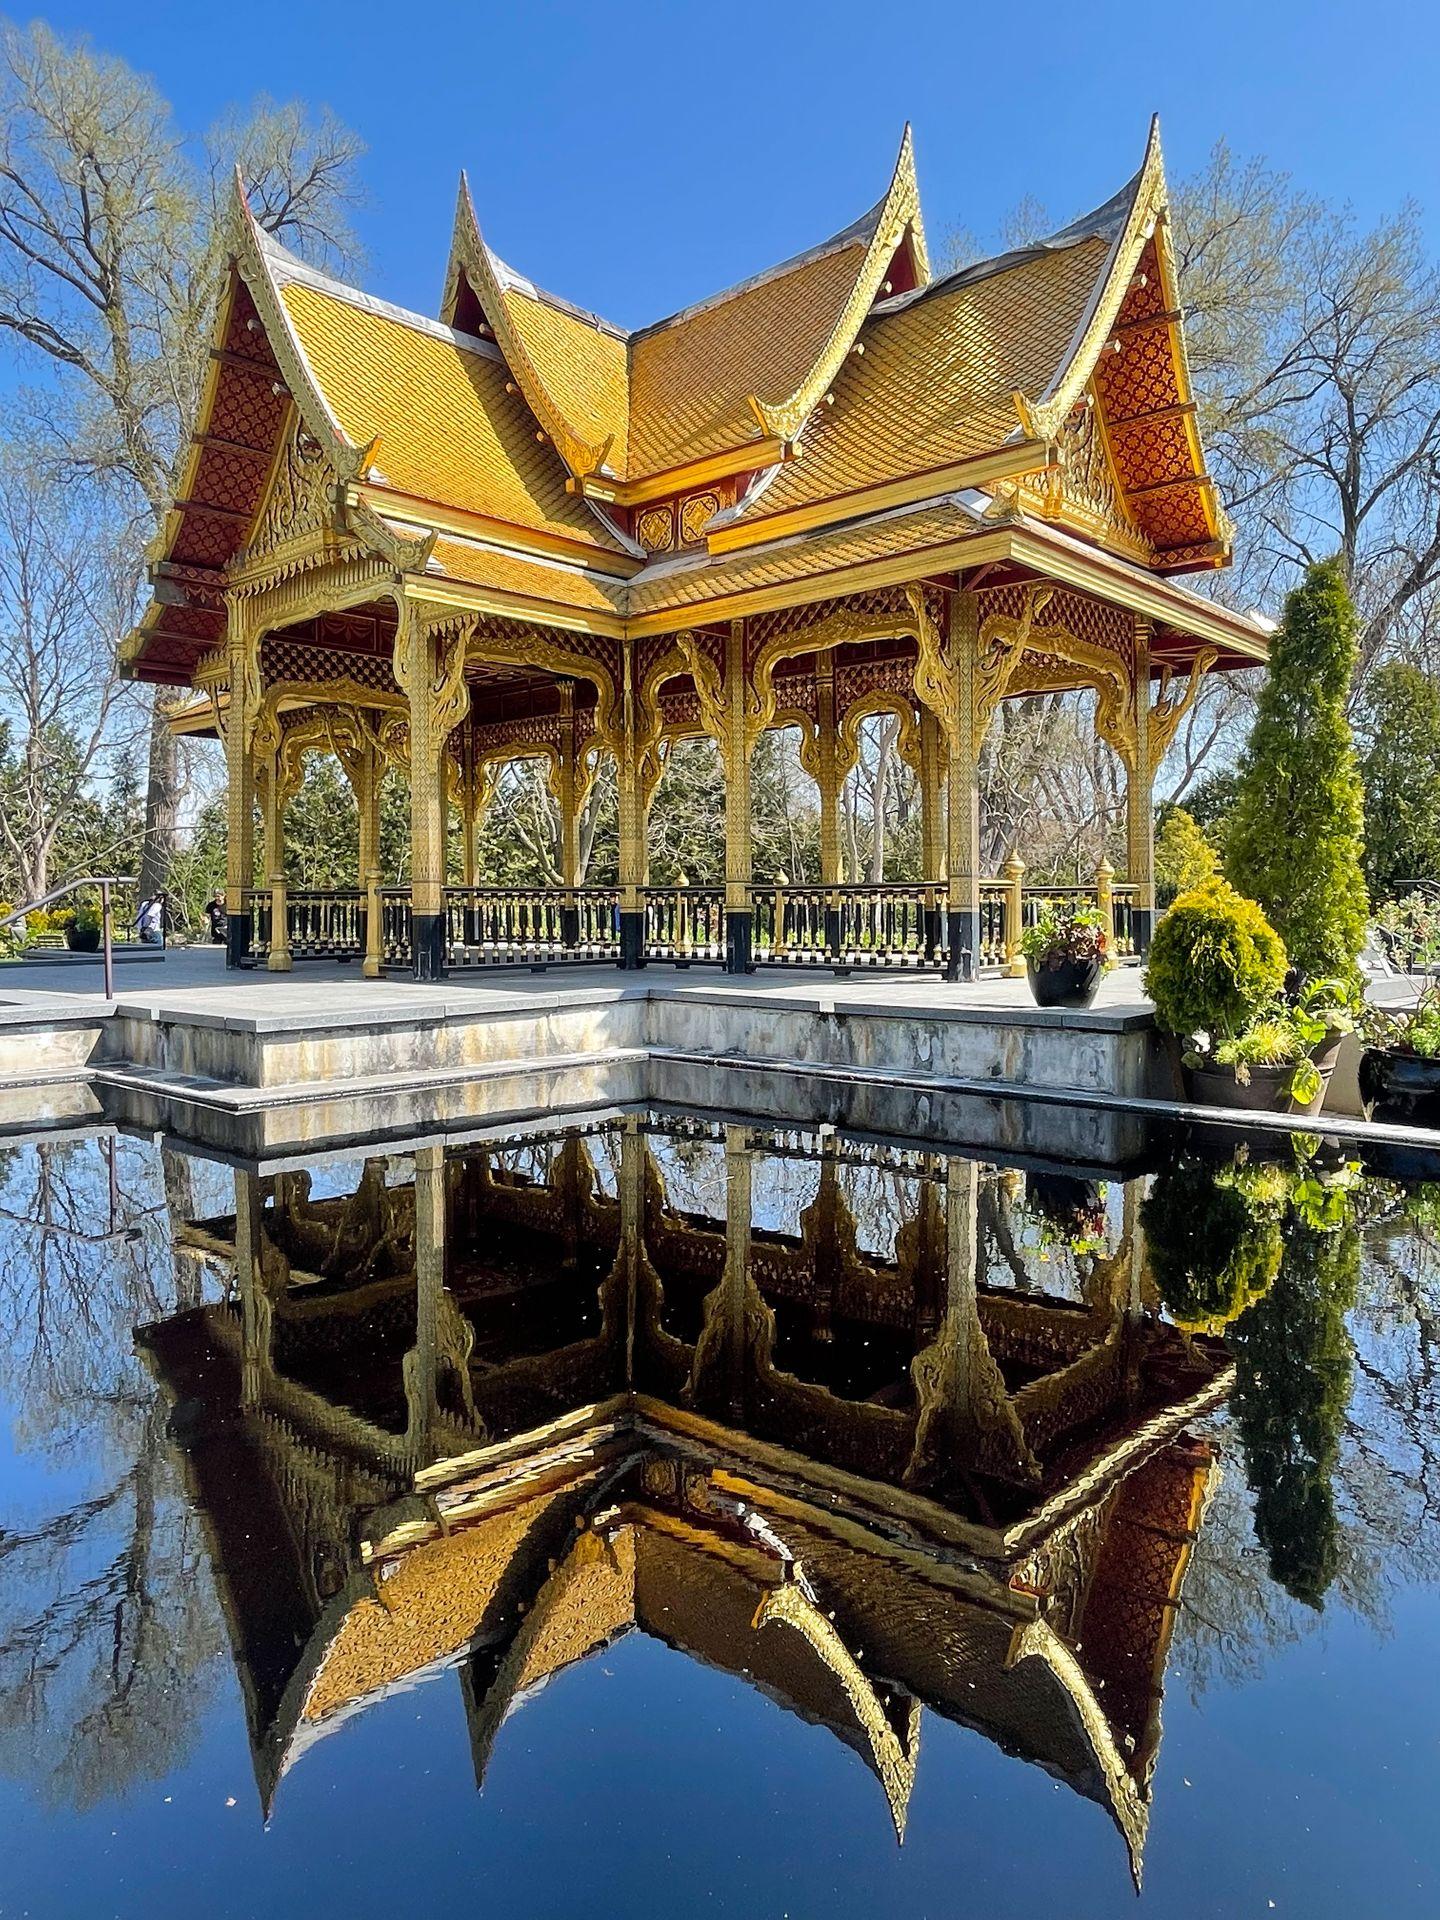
[[635, 158]]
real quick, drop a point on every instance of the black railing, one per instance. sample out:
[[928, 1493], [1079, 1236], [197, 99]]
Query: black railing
[[684, 923], [488, 926], [396, 938], [892, 925]]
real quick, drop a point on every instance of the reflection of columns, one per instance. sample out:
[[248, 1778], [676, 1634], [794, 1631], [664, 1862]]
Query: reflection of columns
[[257, 1360], [932, 825], [943, 1372], [630, 1191], [240, 800], [829, 782], [1139, 796], [718, 1381], [631, 809], [422, 1363], [963, 797], [737, 807]]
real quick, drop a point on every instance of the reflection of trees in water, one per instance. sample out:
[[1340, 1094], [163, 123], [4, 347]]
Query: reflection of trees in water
[[1378, 1530], [104, 1628]]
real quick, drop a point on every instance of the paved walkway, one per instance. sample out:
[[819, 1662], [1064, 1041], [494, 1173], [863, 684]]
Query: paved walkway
[[195, 979]]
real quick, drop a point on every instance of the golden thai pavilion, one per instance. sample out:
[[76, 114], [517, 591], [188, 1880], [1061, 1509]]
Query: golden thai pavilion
[[844, 487]]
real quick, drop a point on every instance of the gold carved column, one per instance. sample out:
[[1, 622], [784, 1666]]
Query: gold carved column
[[829, 778], [367, 800], [567, 797], [962, 795], [736, 747], [1140, 794], [932, 826], [239, 720], [430, 670], [270, 777], [630, 806]]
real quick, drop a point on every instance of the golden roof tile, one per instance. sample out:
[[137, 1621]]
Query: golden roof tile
[[482, 565], [934, 384], [447, 430]]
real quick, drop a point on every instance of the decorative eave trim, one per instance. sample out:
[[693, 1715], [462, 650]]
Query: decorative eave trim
[[1043, 418], [1004, 463], [464, 596], [530, 542], [350, 462], [900, 211], [470, 255], [696, 473]]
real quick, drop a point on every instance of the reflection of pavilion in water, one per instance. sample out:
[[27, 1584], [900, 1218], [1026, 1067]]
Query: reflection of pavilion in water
[[465, 1414]]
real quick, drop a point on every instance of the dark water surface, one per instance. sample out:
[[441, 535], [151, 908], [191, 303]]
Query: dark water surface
[[674, 1518]]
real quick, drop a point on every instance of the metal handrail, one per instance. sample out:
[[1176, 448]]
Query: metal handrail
[[105, 881]]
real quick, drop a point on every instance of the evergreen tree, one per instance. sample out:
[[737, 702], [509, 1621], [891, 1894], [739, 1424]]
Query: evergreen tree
[[1184, 858], [1294, 841], [1398, 769]]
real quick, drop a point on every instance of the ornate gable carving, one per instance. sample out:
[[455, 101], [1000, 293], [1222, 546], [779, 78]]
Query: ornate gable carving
[[298, 523], [1081, 489]]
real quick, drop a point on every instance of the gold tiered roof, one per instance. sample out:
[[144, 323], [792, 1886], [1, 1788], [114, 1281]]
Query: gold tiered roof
[[522, 456]]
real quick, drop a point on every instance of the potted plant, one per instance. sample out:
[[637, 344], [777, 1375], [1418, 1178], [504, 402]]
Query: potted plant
[[1066, 951], [1400, 1067], [82, 929], [1217, 973]]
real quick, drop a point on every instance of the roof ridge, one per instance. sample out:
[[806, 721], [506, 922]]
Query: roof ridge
[[297, 272], [1100, 223]]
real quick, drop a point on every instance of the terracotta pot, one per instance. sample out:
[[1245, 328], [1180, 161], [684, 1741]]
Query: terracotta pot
[[1401, 1088], [1265, 1091], [1073, 983]]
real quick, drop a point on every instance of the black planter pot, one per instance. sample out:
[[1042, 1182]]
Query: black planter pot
[[79, 940], [1402, 1088], [1073, 983], [1264, 1090]]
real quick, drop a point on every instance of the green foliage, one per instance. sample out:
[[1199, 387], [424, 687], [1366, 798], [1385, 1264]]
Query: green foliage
[[1293, 1369], [1400, 728], [1294, 839], [1214, 1239], [1210, 803], [1414, 1029], [1065, 931], [1184, 858], [1215, 962], [1271, 1254]]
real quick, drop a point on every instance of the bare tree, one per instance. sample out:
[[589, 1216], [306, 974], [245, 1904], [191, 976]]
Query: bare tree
[[110, 269], [66, 581]]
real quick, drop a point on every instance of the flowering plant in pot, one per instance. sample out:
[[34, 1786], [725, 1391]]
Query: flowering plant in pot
[[82, 930], [1400, 1067], [1217, 974], [1066, 951]]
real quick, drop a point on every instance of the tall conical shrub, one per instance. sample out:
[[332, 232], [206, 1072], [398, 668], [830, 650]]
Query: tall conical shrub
[[1295, 837]]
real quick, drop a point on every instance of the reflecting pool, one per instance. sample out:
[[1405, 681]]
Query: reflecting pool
[[666, 1515]]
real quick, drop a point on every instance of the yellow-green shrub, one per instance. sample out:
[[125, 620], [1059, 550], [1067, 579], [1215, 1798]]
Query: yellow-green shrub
[[1215, 962]]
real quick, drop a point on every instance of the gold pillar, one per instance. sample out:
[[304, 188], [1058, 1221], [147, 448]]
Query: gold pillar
[[736, 746], [271, 774], [962, 796], [430, 669], [568, 796], [829, 779], [367, 799], [1013, 876], [932, 826], [630, 806], [1140, 795], [469, 811], [240, 792]]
